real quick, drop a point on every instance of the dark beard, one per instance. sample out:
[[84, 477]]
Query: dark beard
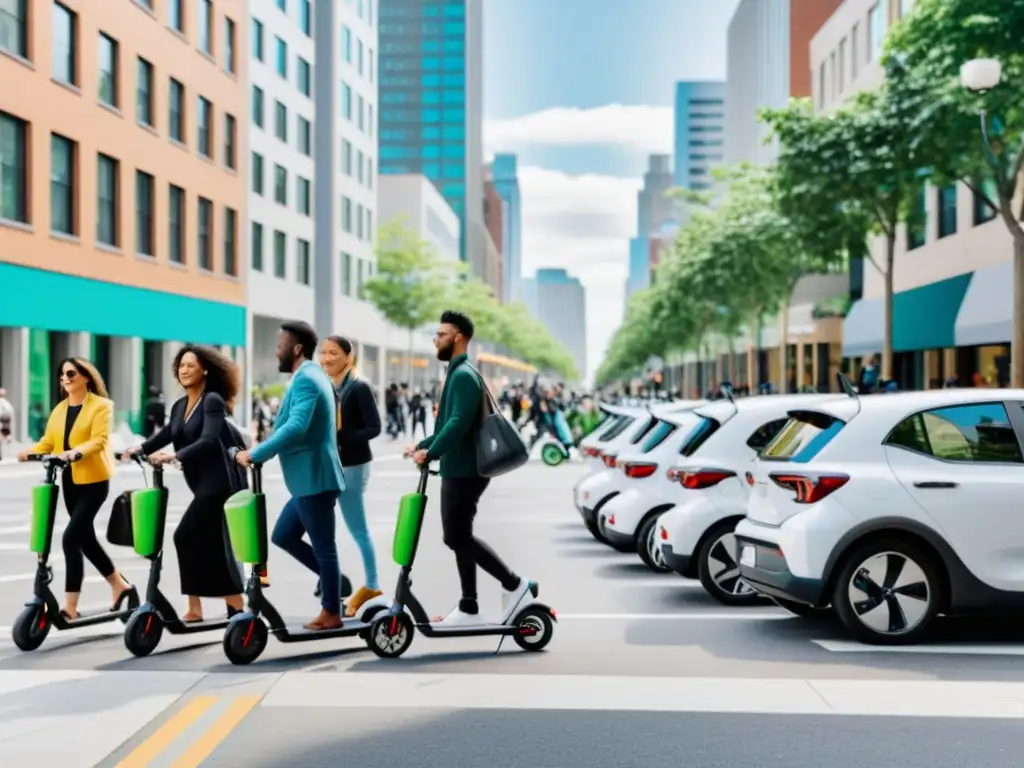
[[286, 364], [445, 354]]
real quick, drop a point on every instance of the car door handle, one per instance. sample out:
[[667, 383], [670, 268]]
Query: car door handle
[[934, 484]]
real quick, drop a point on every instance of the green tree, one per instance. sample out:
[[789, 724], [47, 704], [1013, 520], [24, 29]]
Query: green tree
[[933, 43], [410, 282]]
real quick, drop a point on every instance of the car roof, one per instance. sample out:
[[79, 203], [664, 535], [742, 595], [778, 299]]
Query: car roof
[[896, 404], [720, 409], [620, 410], [665, 410]]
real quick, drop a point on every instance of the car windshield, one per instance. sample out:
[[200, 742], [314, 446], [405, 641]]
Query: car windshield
[[657, 436], [616, 428], [699, 435], [802, 439]]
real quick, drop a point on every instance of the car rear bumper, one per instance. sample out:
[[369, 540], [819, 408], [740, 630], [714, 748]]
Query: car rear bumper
[[770, 574], [678, 563]]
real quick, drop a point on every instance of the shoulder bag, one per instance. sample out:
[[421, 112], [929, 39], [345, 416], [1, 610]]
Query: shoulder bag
[[499, 448]]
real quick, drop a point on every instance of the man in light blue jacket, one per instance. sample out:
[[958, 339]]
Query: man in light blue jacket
[[304, 439]]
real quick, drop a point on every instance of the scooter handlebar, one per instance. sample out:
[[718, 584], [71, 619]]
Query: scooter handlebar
[[50, 460]]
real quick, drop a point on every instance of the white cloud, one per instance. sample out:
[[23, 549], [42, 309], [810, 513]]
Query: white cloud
[[643, 128], [581, 223]]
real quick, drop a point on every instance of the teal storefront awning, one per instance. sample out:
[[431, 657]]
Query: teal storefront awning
[[52, 301], [923, 318], [986, 315]]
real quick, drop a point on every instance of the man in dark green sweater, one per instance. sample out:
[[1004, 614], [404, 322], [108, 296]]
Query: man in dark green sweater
[[454, 444]]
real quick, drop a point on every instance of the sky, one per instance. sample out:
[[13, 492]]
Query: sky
[[582, 91]]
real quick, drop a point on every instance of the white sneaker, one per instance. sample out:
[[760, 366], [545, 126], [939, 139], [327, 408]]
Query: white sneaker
[[458, 619], [511, 601]]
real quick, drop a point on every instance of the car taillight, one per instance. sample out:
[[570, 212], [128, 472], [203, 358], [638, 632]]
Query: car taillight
[[664, 534], [638, 470], [810, 489], [592, 453], [609, 460], [698, 479], [750, 479]]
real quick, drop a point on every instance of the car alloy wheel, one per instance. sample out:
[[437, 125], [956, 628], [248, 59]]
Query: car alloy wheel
[[718, 570], [648, 545], [888, 593]]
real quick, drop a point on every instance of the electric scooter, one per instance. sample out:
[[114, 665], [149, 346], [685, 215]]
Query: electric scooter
[[145, 628], [532, 626], [42, 612], [247, 632]]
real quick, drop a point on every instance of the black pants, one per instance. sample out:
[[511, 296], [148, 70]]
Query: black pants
[[205, 560], [83, 503], [459, 499]]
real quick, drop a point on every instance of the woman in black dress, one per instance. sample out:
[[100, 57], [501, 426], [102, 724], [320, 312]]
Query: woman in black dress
[[201, 437]]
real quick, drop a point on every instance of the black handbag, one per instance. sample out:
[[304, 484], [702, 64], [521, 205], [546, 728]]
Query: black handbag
[[499, 448], [119, 527]]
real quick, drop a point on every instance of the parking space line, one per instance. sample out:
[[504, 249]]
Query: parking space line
[[971, 649], [150, 749], [205, 745], [753, 615]]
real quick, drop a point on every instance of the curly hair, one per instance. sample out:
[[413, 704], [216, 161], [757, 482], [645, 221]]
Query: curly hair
[[222, 375]]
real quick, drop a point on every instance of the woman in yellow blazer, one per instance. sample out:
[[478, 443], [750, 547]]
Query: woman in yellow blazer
[[78, 431]]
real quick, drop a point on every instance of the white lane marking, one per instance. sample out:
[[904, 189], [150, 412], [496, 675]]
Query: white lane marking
[[968, 649], [753, 615], [894, 698]]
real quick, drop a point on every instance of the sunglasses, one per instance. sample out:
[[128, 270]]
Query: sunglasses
[[69, 375]]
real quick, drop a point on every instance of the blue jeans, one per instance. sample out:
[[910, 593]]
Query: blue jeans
[[353, 512], [314, 516]]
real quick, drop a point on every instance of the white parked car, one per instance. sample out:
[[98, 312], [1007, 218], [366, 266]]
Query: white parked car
[[682, 519], [617, 419], [594, 491], [892, 509]]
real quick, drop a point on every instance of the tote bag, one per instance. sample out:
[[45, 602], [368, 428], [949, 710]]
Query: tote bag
[[499, 448]]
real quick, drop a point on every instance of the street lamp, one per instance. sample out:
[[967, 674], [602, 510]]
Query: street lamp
[[981, 74]]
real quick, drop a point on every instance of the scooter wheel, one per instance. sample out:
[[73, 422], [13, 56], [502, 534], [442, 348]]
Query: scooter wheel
[[552, 455], [142, 633], [30, 628], [391, 635], [244, 641], [535, 629]]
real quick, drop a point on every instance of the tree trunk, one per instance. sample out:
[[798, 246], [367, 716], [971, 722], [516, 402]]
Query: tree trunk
[[784, 345], [887, 315], [408, 361]]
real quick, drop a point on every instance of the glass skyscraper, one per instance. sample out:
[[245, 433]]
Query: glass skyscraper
[[431, 100]]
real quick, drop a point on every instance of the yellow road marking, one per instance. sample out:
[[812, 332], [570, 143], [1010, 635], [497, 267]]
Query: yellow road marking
[[204, 746], [164, 736]]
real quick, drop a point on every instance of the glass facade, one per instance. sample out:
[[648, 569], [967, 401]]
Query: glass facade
[[422, 71]]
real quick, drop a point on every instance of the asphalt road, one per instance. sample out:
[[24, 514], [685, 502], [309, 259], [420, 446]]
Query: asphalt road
[[643, 669]]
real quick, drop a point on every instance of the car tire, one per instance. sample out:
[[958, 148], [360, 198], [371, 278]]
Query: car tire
[[648, 546], [888, 591], [718, 570]]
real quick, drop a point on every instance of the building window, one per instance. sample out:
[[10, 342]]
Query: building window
[[917, 232], [144, 213], [108, 70], [302, 191], [205, 239], [821, 85], [369, 121], [346, 101], [878, 18], [369, 173], [62, 185], [230, 142], [257, 39], [257, 173], [144, 93], [984, 212], [361, 113], [63, 39], [346, 274], [205, 128], [280, 185], [855, 52], [369, 64], [257, 106], [346, 157], [359, 221], [305, 138], [360, 164], [369, 224], [947, 210], [282, 58], [175, 15], [176, 224], [280, 254], [305, 85], [346, 43], [306, 18], [841, 77], [302, 261], [282, 5], [230, 242], [359, 56], [176, 111], [281, 121], [13, 168], [346, 215], [230, 62], [106, 200], [14, 27], [206, 26], [257, 246]]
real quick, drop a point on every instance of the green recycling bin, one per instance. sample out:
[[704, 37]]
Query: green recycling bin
[[407, 529], [149, 516], [246, 514], [44, 512]]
